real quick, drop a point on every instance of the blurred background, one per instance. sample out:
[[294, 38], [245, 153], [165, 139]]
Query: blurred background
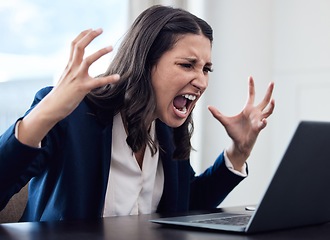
[[285, 41]]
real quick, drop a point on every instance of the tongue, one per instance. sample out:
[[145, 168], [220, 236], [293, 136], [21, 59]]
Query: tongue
[[179, 102]]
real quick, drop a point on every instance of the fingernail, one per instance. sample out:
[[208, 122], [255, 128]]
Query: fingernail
[[99, 30], [109, 48], [116, 76]]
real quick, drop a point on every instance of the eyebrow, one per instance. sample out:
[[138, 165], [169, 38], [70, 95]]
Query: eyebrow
[[194, 61]]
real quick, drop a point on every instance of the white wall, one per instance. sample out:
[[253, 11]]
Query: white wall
[[301, 62], [242, 47], [285, 41]]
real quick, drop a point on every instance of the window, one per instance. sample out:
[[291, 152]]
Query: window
[[35, 44]]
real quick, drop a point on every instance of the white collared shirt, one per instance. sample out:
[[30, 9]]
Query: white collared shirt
[[132, 190]]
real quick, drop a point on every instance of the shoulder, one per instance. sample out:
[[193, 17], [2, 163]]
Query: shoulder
[[42, 93]]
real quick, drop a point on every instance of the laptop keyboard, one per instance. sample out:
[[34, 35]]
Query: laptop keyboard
[[238, 220]]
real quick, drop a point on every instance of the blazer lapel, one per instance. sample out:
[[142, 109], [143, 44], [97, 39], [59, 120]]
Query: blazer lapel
[[169, 200]]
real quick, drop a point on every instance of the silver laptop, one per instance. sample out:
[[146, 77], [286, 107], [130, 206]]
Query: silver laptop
[[298, 194]]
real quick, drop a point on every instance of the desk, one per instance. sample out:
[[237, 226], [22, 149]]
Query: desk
[[139, 228]]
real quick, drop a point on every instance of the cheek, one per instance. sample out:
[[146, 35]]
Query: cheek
[[160, 94], [163, 100], [161, 86]]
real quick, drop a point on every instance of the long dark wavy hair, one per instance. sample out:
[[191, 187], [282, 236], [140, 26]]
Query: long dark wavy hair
[[154, 32]]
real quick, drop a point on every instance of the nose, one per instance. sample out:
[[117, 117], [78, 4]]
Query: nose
[[200, 82]]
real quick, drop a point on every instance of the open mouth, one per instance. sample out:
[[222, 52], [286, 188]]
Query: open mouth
[[182, 102]]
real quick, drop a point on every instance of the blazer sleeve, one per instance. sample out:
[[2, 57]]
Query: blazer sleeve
[[210, 188], [19, 162]]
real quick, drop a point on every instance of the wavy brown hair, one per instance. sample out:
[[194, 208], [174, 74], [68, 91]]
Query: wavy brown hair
[[154, 32]]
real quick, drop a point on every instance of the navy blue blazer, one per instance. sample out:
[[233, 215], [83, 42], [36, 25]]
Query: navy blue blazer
[[68, 175]]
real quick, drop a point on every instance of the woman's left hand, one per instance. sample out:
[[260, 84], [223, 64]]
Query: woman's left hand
[[244, 128]]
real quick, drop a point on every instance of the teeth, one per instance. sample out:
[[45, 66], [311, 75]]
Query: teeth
[[190, 97], [183, 110]]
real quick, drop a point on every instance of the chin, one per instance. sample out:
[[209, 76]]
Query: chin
[[173, 123], [173, 120]]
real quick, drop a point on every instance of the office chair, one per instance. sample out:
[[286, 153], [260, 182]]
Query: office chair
[[15, 207]]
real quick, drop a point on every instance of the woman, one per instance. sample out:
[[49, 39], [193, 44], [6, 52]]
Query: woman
[[119, 144]]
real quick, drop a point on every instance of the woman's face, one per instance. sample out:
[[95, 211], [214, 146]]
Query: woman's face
[[180, 77]]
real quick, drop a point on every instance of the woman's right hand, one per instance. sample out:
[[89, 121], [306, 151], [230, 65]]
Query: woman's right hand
[[74, 84]]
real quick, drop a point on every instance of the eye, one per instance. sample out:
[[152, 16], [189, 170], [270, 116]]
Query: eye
[[207, 69], [186, 65]]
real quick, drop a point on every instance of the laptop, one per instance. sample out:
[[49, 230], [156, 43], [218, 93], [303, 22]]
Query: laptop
[[297, 195]]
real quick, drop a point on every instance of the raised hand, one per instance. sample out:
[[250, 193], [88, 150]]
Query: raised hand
[[245, 127], [75, 81], [74, 84]]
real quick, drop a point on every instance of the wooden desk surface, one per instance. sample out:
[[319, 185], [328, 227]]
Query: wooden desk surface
[[139, 227]]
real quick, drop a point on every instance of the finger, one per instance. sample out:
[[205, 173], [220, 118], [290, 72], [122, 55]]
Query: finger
[[262, 124], [95, 56], [217, 114], [76, 40], [102, 81], [251, 95], [268, 96], [79, 47], [269, 109]]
